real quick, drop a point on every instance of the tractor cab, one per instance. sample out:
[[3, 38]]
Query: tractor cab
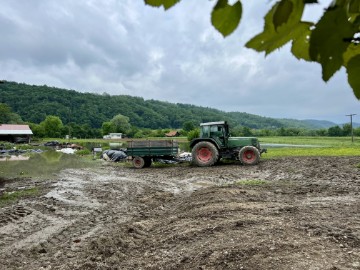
[[218, 131]]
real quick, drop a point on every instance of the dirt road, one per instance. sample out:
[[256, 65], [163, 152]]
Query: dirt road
[[291, 213]]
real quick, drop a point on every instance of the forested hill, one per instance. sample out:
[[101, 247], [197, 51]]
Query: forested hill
[[34, 103]]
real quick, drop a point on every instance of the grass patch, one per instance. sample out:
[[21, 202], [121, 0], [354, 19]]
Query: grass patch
[[302, 152], [9, 197], [321, 141], [251, 182]]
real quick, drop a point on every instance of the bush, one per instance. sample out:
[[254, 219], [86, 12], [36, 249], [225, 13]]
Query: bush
[[193, 134], [83, 152]]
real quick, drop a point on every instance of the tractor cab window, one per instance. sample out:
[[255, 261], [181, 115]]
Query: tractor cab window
[[217, 131], [204, 132]]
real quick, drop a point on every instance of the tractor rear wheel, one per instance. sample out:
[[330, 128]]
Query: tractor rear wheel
[[138, 162], [249, 155], [204, 154]]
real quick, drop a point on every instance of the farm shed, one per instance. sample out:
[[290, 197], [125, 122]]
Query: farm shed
[[15, 133]]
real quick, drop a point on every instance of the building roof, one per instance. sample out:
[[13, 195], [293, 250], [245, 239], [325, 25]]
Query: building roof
[[172, 133], [7, 129]]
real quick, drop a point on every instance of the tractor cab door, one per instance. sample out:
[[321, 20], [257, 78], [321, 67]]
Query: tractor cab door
[[218, 133]]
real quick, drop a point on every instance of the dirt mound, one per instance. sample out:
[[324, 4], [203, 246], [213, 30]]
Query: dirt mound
[[293, 213]]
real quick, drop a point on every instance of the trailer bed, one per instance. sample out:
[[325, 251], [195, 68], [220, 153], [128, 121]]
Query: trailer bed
[[143, 151]]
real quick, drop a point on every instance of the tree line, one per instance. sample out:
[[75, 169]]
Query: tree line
[[35, 103], [53, 127]]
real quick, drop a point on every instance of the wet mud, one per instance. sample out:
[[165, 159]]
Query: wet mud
[[289, 213]]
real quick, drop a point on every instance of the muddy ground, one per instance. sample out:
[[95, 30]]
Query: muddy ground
[[291, 213]]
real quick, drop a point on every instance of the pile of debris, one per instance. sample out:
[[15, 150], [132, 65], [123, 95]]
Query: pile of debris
[[120, 155], [114, 155]]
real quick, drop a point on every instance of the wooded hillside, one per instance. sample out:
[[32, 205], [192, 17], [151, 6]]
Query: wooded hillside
[[34, 103]]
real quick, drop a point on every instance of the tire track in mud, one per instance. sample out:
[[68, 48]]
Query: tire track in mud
[[81, 205], [104, 213], [77, 207]]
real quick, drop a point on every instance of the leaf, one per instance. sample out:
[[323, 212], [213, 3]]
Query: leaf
[[353, 71], [154, 3], [165, 3], [271, 39], [354, 7], [352, 51], [226, 18], [269, 42], [282, 13], [327, 44], [300, 45]]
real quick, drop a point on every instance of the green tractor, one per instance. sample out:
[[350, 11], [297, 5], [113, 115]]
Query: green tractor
[[215, 143]]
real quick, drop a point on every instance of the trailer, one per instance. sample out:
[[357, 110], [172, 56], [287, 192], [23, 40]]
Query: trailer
[[143, 152]]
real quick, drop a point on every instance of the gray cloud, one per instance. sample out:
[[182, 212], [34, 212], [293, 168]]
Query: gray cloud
[[125, 47]]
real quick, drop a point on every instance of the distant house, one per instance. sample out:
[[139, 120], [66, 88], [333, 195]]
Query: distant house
[[113, 136], [15, 133], [173, 133]]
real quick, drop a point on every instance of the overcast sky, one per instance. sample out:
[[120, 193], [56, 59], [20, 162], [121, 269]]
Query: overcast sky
[[125, 47]]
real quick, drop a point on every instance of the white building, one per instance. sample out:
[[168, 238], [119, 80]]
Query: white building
[[113, 136]]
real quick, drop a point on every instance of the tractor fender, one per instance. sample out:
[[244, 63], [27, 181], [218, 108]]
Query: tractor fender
[[195, 141]]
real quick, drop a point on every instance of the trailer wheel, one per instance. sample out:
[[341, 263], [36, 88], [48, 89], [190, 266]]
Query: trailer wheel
[[148, 162], [138, 162], [204, 154], [249, 155]]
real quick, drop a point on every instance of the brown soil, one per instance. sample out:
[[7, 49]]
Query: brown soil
[[302, 213]]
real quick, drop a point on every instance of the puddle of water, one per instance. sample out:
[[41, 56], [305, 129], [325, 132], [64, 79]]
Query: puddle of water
[[14, 158], [279, 145], [41, 165]]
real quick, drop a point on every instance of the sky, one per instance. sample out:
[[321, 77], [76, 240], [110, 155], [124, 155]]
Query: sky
[[124, 47]]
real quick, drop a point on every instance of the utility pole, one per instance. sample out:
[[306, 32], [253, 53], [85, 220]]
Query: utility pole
[[352, 133]]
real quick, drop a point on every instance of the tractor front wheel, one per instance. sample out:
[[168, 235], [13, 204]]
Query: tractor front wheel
[[249, 155], [204, 154]]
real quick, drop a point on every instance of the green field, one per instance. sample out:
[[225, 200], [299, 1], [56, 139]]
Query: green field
[[311, 146]]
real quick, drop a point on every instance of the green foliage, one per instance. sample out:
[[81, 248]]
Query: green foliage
[[7, 116], [332, 41], [353, 70], [193, 134], [323, 142], [138, 117], [226, 18], [288, 26], [307, 152], [335, 131], [188, 125], [328, 47], [52, 126], [78, 109], [165, 3], [321, 146], [83, 152], [6, 145], [120, 123]]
